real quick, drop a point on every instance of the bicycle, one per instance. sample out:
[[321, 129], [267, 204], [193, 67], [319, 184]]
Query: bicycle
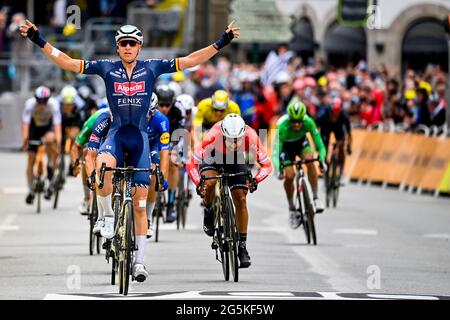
[[333, 178], [38, 182], [304, 203], [124, 226], [160, 206], [183, 198], [226, 237]]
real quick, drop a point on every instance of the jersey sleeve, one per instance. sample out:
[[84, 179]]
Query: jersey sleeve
[[312, 128], [86, 130], [201, 151], [160, 66], [100, 130], [26, 116], [260, 154], [98, 67], [164, 135]]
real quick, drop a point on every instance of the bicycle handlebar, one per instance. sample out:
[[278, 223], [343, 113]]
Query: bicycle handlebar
[[129, 169], [227, 175]]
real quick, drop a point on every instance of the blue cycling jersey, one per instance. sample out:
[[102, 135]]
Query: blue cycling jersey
[[158, 131], [129, 98], [99, 130]]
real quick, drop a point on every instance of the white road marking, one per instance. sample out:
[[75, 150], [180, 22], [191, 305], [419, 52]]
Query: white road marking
[[363, 232], [6, 225], [437, 236], [211, 295], [398, 296]]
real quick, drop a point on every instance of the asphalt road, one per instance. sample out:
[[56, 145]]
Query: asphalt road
[[379, 243]]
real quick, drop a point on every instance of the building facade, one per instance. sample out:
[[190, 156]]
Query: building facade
[[398, 34]]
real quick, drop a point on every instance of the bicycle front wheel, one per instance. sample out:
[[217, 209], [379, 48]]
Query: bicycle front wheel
[[303, 217], [309, 208], [128, 247], [232, 239]]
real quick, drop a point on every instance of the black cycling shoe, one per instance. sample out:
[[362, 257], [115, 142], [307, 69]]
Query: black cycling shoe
[[29, 199], [208, 222], [48, 193], [171, 214], [244, 258]]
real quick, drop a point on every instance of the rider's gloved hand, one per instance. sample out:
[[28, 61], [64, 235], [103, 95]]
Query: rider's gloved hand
[[33, 34], [252, 185], [226, 37]]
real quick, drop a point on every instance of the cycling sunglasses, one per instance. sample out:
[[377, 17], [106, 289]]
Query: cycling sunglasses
[[296, 121], [164, 105], [124, 43]]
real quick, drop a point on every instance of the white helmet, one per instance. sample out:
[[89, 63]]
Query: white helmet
[[153, 102], [129, 31], [185, 102], [233, 126]]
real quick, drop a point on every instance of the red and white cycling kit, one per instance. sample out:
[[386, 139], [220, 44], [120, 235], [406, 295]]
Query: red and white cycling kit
[[213, 141]]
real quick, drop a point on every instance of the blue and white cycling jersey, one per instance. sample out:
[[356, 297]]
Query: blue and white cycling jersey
[[99, 130], [129, 101]]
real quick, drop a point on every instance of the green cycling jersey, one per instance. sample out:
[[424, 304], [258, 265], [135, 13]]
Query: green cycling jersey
[[285, 133], [83, 137]]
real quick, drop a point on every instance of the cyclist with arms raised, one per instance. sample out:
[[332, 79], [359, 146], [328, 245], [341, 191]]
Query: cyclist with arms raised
[[129, 84], [292, 141]]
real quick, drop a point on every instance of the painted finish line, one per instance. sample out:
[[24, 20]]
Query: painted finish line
[[240, 295]]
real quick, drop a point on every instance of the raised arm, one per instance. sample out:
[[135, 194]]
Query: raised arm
[[61, 59], [203, 55]]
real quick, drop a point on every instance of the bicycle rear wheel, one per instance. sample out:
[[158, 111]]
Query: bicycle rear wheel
[[309, 212], [128, 248], [232, 239]]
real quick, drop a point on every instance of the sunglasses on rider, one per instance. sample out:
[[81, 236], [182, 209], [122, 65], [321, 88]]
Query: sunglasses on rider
[[124, 43], [164, 105]]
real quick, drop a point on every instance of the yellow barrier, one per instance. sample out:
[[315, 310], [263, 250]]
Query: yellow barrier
[[400, 159]]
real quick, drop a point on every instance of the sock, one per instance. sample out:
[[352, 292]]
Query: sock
[[171, 196], [150, 207], [314, 190], [242, 240], [106, 205], [30, 186], [139, 254], [291, 203], [100, 209]]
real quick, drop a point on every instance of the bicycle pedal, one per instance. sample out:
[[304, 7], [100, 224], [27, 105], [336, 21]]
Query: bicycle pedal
[[214, 246]]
